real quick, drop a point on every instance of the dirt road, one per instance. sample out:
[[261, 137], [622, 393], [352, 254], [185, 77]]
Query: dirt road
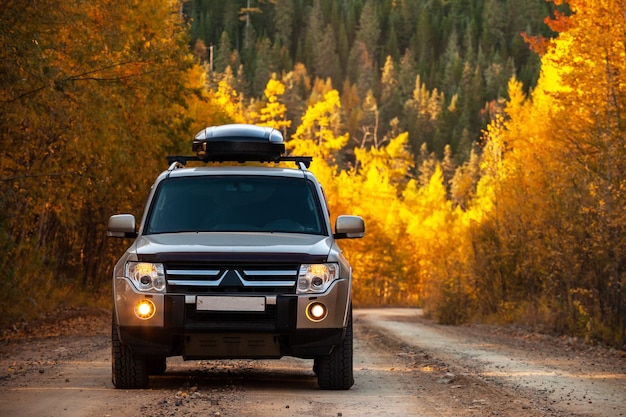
[[404, 366]]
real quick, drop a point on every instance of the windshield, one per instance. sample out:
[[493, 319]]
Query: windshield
[[235, 204]]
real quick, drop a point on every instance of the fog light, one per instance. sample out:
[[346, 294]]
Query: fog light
[[316, 311], [145, 309]]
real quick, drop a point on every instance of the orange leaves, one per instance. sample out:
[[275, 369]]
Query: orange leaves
[[539, 44], [560, 23]]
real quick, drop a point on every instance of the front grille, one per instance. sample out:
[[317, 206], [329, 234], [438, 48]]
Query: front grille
[[197, 278]]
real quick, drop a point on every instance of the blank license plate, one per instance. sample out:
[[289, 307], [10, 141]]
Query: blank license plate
[[211, 303]]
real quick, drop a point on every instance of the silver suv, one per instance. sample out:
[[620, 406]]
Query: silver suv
[[233, 261]]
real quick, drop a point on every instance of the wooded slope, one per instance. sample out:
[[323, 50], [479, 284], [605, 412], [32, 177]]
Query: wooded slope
[[526, 227]]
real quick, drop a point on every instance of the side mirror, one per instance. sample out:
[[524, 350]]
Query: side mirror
[[122, 225], [349, 227]]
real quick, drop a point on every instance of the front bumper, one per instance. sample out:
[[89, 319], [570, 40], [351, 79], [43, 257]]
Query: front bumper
[[282, 329]]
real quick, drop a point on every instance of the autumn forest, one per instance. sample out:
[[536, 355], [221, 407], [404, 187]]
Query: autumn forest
[[483, 142]]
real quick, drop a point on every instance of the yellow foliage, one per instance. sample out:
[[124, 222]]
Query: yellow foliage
[[548, 214], [273, 114], [96, 94], [114, 85], [392, 161], [316, 134], [204, 107]]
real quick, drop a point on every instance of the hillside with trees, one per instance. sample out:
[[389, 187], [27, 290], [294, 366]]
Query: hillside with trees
[[435, 69], [488, 165]]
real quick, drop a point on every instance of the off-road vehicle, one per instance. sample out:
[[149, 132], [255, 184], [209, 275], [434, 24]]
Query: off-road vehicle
[[233, 261]]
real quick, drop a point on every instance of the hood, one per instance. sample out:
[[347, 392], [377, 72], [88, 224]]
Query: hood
[[248, 247]]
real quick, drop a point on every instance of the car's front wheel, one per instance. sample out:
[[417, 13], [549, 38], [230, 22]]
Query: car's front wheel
[[335, 371], [129, 370]]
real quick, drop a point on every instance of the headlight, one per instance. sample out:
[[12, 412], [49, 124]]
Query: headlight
[[316, 278], [146, 276]]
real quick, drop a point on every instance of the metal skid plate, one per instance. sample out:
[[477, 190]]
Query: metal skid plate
[[231, 346]]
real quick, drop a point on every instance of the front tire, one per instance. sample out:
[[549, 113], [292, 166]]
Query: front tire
[[335, 371], [129, 370]]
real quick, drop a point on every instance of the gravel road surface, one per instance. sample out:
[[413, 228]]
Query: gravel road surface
[[404, 366]]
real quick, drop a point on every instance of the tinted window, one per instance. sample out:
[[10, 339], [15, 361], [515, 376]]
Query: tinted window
[[235, 204]]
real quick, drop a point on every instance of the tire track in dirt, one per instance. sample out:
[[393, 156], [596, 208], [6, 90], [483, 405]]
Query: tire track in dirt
[[566, 380]]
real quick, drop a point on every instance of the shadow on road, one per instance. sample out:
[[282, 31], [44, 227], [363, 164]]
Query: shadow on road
[[272, 375]]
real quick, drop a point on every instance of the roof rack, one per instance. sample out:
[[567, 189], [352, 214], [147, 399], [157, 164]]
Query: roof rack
[[183, 159]]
